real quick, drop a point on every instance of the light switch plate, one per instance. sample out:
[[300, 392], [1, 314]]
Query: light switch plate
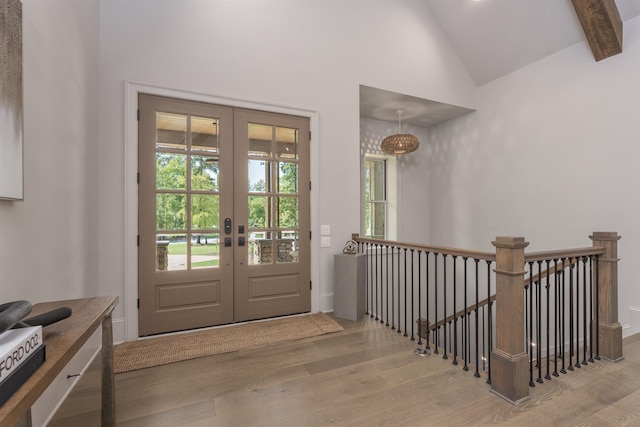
[[325, 230], [325, 241]]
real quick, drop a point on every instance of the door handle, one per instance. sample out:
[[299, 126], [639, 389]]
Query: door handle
[[227, 242], [241, 241], [227, 226]]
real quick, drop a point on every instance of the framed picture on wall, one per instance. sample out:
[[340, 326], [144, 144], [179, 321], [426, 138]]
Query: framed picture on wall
[[11, 134]]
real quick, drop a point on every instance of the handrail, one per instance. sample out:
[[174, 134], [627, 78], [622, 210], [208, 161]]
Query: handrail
[[563, 253], [466, 253], [461, 313]]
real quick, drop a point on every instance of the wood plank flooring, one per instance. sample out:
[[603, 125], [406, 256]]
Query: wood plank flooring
[[366, 375]]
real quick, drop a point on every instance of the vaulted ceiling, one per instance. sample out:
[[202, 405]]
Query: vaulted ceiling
[[492, 39]]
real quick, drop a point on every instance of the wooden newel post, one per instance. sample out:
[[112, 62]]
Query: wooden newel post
[[609, 329], [509, 360]]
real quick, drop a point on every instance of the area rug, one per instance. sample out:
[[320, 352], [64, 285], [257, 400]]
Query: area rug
[[146, 353]]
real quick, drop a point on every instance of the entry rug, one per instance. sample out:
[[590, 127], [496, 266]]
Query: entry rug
[[163, 350]]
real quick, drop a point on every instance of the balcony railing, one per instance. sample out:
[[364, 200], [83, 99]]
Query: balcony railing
[[515, 319]]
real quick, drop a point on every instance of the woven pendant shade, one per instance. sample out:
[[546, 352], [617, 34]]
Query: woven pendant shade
[[400, 143]]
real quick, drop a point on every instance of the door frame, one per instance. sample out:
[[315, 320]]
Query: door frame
[[130, 252]]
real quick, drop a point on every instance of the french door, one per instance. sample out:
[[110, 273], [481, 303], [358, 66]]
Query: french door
[[223, 215]]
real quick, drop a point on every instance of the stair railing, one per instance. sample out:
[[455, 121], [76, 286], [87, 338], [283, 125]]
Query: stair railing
[[509, 315]]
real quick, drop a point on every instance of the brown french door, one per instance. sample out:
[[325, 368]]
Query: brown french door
[[223, 215]]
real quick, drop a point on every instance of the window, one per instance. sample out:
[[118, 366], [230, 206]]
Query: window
[[375, 198]]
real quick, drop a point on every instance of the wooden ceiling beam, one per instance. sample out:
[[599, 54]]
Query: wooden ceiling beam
[[602, 25]]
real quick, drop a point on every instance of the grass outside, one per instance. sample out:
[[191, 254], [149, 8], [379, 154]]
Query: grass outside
[[181, 249]]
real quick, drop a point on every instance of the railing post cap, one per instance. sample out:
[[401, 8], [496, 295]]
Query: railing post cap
[[605, 235], [510, 242]]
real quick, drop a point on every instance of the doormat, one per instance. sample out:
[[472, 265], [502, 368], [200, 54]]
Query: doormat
[[146, 353]]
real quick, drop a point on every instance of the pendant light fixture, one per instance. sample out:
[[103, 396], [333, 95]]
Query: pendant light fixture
[[400, 143]]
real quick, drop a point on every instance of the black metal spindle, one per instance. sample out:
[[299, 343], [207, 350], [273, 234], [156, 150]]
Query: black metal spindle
[[367, 278], [571, 268], [548, 304], [563, 316], [435, 304], [419, 296], [465, 325], [539, 323], [412, 296], [426, 311], [477, 374], [597, 275], [405, 293], [531, 343], [591, 308], [444, 305], [556, 316], [399, 302], [386, 290], [584, 311], [393, 292], [455, 319], [375, 301], [577, 353], [490, 321]]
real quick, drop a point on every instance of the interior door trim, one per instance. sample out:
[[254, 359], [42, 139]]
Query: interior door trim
[[126, 327]]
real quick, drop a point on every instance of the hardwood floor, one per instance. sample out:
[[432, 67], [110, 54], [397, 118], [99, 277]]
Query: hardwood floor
[[366, 375]]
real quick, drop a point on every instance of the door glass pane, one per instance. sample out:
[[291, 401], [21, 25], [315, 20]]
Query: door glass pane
[[204, 134], [171, 131], [171, 252], [205, 211], [205, 250], [260, 137], [171, 171], [287, 142], [258, 176], [204, 173], [170, 211], [288, 178], [258, 212], [287, 247], [287, 212], [260, 248]]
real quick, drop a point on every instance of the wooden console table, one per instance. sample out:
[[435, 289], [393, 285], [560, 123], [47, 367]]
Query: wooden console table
[[63, 340]]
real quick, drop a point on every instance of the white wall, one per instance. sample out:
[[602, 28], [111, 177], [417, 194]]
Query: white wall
[[49, 242], [552, 154], [310, 55]]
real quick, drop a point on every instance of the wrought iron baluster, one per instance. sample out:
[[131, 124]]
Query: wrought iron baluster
[[393, 287], [405, 293], [577, 353], [465, 319], [477, 374], [436, 329], [563, 316], [455, 318], [584, 310], [412, 296], [571, 268], [548, 303], [386, 289], [419, 296], [426, 312], [539, 323], [444, 305], [597, 275], [490, 321], [591, 308], [531, 344], [399, 302], [556, 316]]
